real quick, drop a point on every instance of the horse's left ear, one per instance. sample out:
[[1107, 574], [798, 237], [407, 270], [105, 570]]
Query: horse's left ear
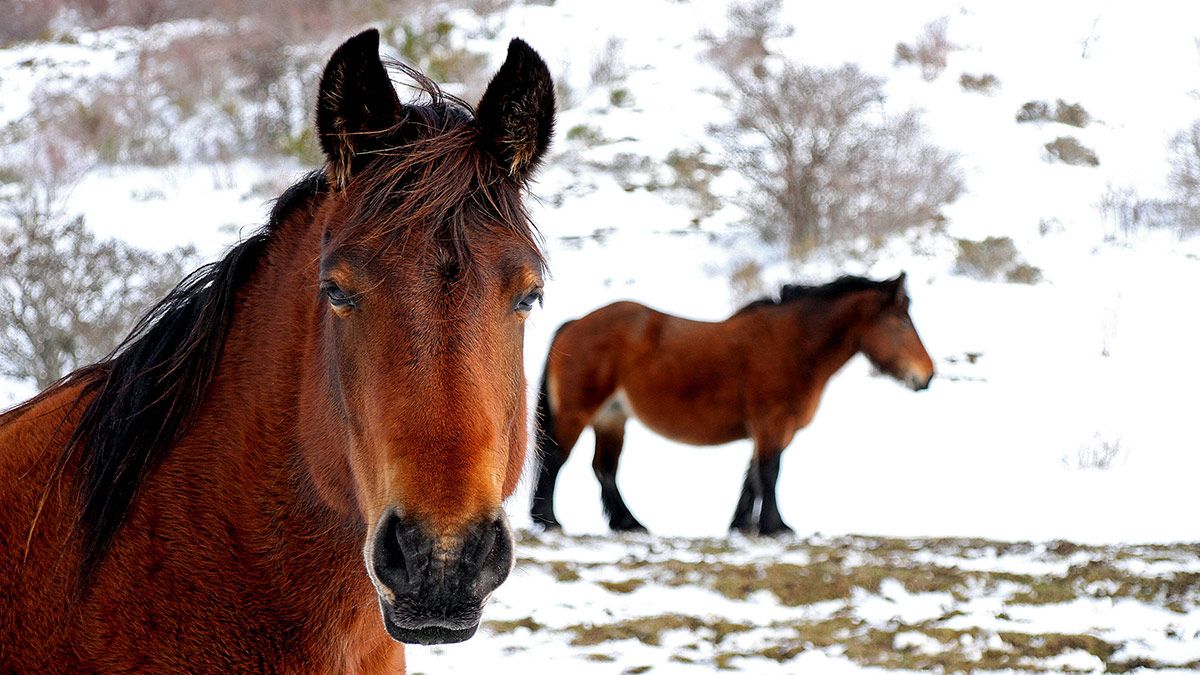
[[516, 113], [899, 290], [356, 104]]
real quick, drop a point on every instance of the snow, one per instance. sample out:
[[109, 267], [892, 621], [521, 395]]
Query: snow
[[1100, 351]]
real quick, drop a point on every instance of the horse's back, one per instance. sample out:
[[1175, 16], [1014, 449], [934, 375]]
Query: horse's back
[[682, 378], [36, 554]]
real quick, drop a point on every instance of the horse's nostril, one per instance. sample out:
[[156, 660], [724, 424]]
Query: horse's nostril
[[402, 553], [405, 562], [495, 558]]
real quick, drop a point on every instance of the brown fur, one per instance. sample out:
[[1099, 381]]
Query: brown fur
[[758, 374], [242, 550]]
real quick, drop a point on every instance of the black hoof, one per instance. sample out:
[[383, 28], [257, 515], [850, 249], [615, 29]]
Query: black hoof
[[626, 524], [775, 530], [546, 523]]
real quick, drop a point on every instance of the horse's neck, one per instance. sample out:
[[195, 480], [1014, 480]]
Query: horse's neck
[[832, 329], [248, 441]]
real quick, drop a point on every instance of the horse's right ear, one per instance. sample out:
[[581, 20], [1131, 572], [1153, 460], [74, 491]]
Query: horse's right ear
[[356, 104]]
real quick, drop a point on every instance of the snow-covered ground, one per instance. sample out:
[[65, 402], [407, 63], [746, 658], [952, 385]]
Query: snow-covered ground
[[1100, 352], [644, 603]]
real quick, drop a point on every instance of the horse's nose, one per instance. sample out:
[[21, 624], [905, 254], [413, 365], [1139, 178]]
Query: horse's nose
[[920, 382], [432, 591]]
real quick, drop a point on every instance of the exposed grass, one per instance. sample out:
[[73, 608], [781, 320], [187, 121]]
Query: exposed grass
[[836, 572], [510, 626], [626, 586], [649, 630]]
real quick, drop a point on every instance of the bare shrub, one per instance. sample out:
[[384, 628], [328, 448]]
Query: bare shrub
[[1098, 455], [986, 83], [694, 173], [1126, 213], [609, 67], [994, 258], [1183, 177], [1034, 111], [105, 13], [425, 40], [1071, 114], [620, 98], [67, 297], [1068, 150], [587, 135], [1023, 273], [26, 20], [746, 280], [826, 164], [929, 51], [744, 46]]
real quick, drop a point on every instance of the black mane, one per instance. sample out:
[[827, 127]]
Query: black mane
[[829, 291], [146, 393]]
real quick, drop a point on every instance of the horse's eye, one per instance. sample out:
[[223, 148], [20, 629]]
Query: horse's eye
[[337, 296], [526, 303]]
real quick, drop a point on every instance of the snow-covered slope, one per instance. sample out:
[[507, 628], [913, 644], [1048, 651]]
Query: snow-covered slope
[[986, 450], [1034, 380]]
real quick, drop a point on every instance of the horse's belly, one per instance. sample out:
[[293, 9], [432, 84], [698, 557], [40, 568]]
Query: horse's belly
[[684, 421]]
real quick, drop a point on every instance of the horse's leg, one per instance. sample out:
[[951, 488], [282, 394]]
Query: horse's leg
[[769, 520], [541, 509], [743, 517], [554, 443], [609, 427]]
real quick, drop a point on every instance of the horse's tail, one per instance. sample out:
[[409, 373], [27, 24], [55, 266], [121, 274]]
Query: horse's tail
[[548, 456]]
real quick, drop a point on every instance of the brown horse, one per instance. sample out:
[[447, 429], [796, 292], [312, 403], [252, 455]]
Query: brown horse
[[344, 387], [758, 374]]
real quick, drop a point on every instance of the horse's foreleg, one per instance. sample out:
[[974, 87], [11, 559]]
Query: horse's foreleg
[[769, 520], [610, 440], [743, 517]]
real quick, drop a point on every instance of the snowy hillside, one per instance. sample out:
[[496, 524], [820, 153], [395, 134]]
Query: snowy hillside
[[1038, 383]]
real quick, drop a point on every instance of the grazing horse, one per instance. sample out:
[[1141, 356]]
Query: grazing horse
[[758, 374], [297, 460]]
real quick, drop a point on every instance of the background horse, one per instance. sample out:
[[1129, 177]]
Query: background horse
[[344, 387], [758, 374]]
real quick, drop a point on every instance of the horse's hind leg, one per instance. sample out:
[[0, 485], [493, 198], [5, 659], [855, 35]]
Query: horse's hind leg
[[609, 426], [743, 517], [556, 435], [541, 508]]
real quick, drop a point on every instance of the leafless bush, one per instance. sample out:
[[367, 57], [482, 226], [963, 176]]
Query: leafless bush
[[1068, 150], [1099, 455], [1183, 178], [1071, 114], [746, 280], [105, 13], [25, 20], [424, 40], [1034, 111], [986, 83], [609, 67], [994, 258], [1126, 213], [930, 50], [744, 46], [694, 173], [66, 297], [826, 164]]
